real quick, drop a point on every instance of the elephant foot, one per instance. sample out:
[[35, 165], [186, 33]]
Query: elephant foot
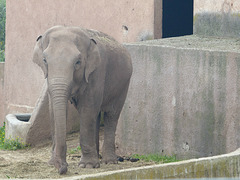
[[62, 167], [110, 159], [89, 163]]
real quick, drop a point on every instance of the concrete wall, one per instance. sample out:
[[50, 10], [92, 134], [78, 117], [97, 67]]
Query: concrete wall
[[183, 98], [2, 100], [217, 17], [125, 20], [216, 6]]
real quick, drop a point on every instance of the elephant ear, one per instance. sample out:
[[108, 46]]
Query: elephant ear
[[38, 56], [93, 59]]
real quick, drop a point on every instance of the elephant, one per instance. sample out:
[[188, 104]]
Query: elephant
[[92, 71]]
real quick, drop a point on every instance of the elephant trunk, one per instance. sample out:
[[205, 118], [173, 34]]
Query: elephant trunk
[[59, 93]]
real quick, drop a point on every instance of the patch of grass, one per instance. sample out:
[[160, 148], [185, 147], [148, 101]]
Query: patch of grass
[[2, 135], [2, 56], [156, 158], [10, 144], [75, 150]]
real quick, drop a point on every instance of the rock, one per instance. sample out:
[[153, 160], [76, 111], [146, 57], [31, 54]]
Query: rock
[[134, 159], [120, 159]]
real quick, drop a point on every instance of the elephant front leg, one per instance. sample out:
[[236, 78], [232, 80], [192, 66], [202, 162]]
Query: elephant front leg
[[88, 133]]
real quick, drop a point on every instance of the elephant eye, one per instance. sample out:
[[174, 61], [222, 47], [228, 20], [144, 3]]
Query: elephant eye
[[77, 65], [44, 60]]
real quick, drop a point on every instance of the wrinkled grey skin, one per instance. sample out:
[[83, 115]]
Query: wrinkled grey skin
[[93, 71]]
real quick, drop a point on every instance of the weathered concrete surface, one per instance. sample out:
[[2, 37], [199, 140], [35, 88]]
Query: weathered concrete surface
[[227, 165], [217, 18], [125, 20], [2, 98], [16, 129], [216, 6], [183, 98], [217, 24]]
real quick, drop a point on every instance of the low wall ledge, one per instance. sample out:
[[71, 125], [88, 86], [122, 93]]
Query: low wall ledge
[[226, 165], [194, 42]]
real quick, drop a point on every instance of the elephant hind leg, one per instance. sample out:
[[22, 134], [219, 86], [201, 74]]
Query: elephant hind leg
[[111, 117], [108, 151]]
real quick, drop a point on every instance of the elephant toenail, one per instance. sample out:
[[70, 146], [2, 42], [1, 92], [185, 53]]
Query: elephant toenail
[[82, 165]]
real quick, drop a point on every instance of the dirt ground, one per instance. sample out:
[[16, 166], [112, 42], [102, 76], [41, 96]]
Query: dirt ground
[[31, 163]]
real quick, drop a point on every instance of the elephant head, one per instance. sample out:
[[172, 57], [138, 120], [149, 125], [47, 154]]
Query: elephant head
[[67, 57], [85, 59]]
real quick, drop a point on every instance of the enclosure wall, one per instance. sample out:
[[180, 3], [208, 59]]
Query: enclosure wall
[[217, 18], [183, 98], [125, 20]]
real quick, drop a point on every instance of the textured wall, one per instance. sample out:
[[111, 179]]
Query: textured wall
[[217, 18], [216, 6], [183, 99], [125, 20]]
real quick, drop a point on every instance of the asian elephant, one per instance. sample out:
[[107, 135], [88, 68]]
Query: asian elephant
[[92, 70]]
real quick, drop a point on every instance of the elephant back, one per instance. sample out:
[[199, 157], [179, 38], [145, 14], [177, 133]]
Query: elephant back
[[103, 39]]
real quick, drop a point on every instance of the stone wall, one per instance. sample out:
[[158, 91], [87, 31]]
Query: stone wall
[[183, 98], [217, 18], [125, 20]]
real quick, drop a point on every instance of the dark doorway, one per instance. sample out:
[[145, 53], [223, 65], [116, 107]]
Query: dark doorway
[[177, 18]]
